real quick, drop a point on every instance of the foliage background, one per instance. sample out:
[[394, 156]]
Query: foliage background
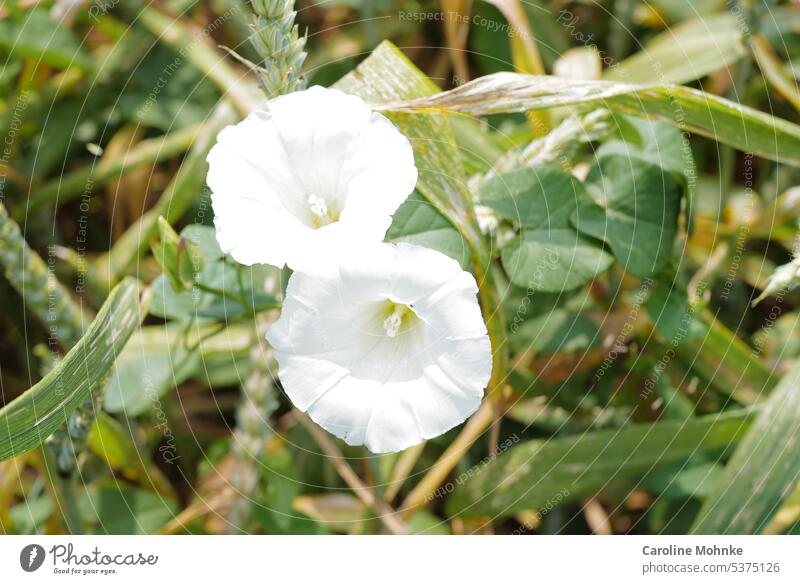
[[644, 392]]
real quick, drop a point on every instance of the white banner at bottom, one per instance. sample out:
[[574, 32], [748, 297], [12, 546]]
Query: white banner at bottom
[[381, 559]]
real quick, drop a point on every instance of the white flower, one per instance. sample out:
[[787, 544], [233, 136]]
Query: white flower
[[317, 168], [386, 347]]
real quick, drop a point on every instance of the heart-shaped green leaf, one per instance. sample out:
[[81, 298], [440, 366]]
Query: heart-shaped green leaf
[[549, 254], [636, 212]]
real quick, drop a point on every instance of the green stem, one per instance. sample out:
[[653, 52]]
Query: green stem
[[63, 493], [195, 45], [179, 195], [64, 189]]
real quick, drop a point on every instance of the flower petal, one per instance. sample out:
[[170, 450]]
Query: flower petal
[[338, 361], [314, 173]]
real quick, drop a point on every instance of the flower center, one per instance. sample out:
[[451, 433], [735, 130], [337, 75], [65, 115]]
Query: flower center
[[401, 317], [319, 208]]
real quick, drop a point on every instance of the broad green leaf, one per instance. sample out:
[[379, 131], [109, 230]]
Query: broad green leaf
[[115, 509], [555, 260], [685, 52], [154, 361], [636, 212], [656, 142], [159, 357], [205, 237], [548, 255], [664, 146], [40, 411], [34, 35], [668, 308], [764, 469], [112, 442], [684, 481], [690, 109], [418, 222], [387, 76], [556, 332], [531, 474]]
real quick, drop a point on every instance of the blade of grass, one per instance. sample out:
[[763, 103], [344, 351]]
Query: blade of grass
[[67, 188], [196, 46], [387, 515], [762, 472], [37, 413], [720, 357], [775, 71], [531, 474], [689, 109]]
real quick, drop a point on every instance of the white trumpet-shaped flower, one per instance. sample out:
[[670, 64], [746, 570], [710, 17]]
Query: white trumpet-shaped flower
[[319, 167], [386, 346]]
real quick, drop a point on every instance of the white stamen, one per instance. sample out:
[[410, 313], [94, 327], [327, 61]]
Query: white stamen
[[318, 206], [392, 324]]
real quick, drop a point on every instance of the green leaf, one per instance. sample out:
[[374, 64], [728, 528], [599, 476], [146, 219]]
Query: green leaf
[[167, 92], [205, 237], [221, 278], [40, 411], [692, 110], [34, 35], [684, 481], [549, 254], [637, 212], [668, 308], [554, 260], [655, 142], [122, 510], [418, 222], [685, 52], [112, 442], [556, 332], [154, 361], [533, 473], [184, 190], [387, 76], [179, 257], [662, 145], [764, 469]]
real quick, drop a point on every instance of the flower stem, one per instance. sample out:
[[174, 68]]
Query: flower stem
[[424, 490], [386, 514], [402, 469], [62, 490]]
